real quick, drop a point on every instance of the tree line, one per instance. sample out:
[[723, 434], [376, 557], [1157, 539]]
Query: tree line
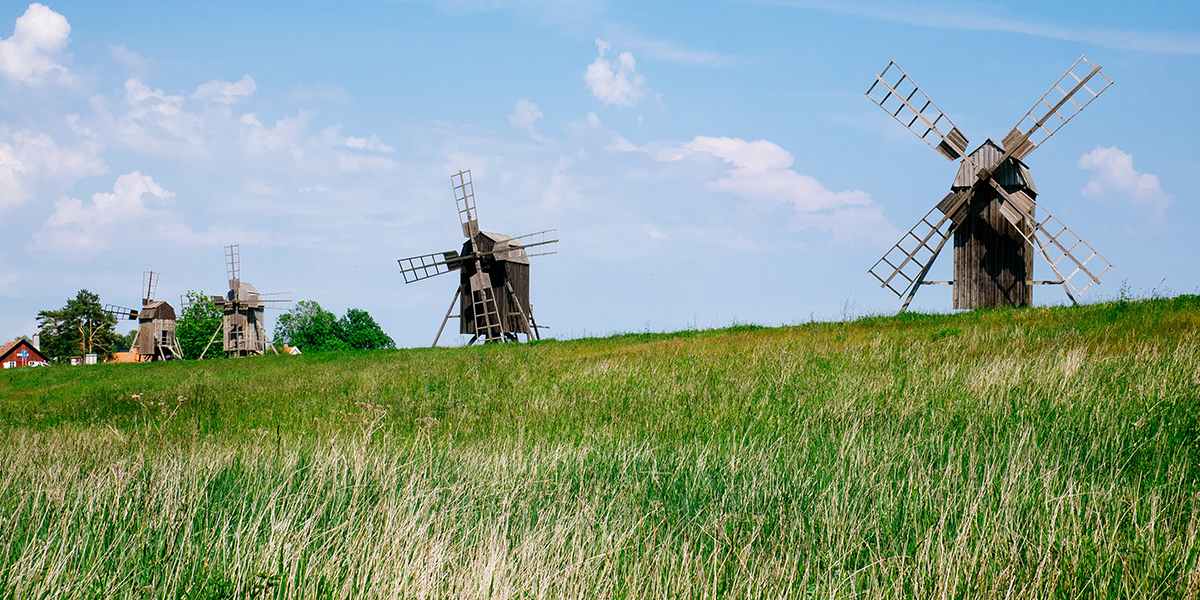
[[82, 327]]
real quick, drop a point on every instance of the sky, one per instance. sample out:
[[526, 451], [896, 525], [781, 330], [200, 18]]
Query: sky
[[703, 166]]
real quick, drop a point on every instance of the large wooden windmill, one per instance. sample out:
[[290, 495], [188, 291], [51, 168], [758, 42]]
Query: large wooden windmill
[[155, 337], [493, 288], [990, 210], [244, 309]]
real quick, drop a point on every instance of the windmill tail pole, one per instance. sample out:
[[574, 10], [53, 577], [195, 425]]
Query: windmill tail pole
[[210, 341]]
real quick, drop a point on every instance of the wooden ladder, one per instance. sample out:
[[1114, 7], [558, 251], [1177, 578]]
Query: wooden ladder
[[487, 316]]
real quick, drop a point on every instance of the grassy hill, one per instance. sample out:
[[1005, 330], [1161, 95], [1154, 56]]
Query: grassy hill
[[1017, 453]]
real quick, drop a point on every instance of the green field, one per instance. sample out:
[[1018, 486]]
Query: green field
[[1017, 453]]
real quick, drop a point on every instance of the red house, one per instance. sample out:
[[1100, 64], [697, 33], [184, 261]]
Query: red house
[[20, 353]]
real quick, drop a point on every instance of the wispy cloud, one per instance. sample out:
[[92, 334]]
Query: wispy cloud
[[585, 18], [665, 50], [945, 17]]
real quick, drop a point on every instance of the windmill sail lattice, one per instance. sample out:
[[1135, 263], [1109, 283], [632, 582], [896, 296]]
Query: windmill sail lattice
[[899, 96], [1078, 87]]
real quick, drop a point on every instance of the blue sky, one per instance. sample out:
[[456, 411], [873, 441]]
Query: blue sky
[[703, 166]]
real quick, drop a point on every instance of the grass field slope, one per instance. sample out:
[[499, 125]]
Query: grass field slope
[[1017, 453]]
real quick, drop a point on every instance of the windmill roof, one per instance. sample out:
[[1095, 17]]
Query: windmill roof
[[506, 248], [1012, 174], [156, 309]]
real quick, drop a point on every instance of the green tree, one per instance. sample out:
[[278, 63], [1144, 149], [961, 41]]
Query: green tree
[[362, 332], [81, 327], [125, 340], [310, 328], [196, 325]]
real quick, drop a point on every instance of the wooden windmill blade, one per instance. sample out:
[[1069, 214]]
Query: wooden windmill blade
[[121, 312], [907, 262], [902, 99], [426, 266], [1078, 87], [149, 285], [1075, 261], [463, 188], [517, 247], [233, 264]]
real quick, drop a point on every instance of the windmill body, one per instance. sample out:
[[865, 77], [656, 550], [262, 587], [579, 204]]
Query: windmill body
[[243, 310], [242, 320], [993, 262], [506, 264], [155, 338], [156, 331], [492, 296], [992, 211]]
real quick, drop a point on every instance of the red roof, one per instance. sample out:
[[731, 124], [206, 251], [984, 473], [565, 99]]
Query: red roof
[[8, 347]]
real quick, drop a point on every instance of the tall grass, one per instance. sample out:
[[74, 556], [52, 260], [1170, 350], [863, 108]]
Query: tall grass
[[1022, 454]]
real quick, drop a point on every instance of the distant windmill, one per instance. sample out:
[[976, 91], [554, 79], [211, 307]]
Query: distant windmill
[[493, 289], [155, 337], [243, 308], [990, 208]]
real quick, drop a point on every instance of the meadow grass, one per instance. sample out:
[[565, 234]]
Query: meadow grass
[[1015, 453]]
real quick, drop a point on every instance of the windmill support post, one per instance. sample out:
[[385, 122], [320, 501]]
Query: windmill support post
[[925, 270], [520, 309], [442, 327]]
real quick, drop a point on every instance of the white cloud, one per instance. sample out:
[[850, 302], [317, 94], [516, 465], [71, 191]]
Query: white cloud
[[525, 115], [325, 152], [369, 144], [31, 55], [655, 233], [154, 122], [133, 62], [12, 174], [225, 92], [76, 225], [561, 189], [204, 125], [8, 281], [761, 170], [616, 81], [259, 188], [28, 158], [1113, 173]]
